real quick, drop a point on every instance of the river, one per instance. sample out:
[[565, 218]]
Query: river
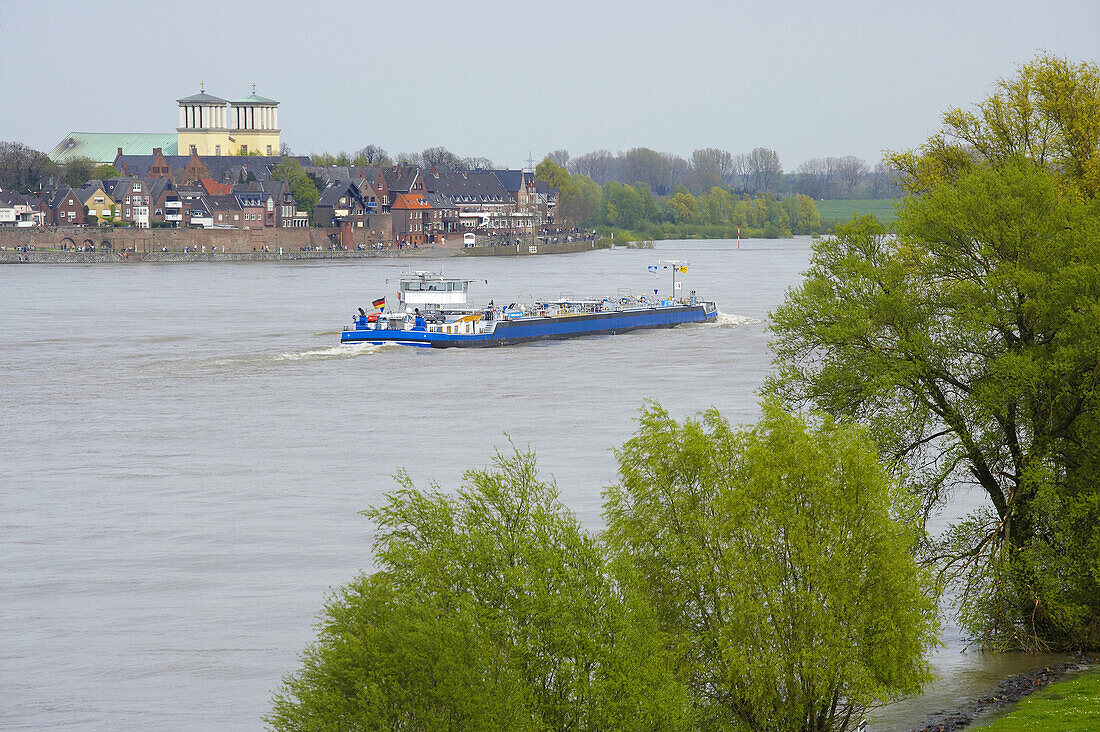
[[185, 451]]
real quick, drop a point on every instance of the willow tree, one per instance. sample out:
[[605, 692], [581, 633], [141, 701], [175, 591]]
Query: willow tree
[[490, 608], [779, 576], [968, 344]]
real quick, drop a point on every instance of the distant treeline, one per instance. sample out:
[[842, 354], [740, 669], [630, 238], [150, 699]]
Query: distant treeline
[[716, 213], [759, 171]]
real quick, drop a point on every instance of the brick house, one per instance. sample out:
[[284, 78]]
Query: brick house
[[61, 206], [257, 208], [132, 201], [225, 211]]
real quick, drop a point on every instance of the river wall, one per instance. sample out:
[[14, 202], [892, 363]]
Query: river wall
[[67, 245]]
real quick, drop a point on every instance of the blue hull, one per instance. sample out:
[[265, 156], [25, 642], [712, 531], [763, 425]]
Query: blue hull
[[536, 329]]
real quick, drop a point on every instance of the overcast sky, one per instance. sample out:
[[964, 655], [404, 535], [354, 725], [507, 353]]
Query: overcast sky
[[808, 79]]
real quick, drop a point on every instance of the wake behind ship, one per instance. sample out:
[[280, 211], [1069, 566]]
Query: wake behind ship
[[432, 313]]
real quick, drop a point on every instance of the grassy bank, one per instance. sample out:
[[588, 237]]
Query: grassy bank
[[837, 211], [1066, 706]]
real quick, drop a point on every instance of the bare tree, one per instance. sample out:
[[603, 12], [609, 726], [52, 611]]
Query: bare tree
[[642, 165], [410, 159], [561, 157], [851, 171], [601, 166], [372, 155], [711, 167], [23, 168], [440, 157], [764, 169], [679, 170], [477, 163], [884, 181], [814, 177]]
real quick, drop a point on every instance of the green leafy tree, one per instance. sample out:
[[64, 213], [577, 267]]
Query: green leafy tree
[[1049, 113], [968, 345], [104, 172], [809, 219], [776, 570], [685, 207], [78, 171], [582, 207], [490, 609], [302, 187]]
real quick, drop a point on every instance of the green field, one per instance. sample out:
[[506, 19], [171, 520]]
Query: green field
[[1067, 706], [840, 210]]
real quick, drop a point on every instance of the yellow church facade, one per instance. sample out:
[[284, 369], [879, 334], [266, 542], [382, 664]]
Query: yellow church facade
[[209, 125]]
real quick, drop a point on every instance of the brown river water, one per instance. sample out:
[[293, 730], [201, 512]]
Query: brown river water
[[184, 450]]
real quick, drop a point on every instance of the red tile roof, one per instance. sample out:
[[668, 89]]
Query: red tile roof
[[411, 201], [214, 188]]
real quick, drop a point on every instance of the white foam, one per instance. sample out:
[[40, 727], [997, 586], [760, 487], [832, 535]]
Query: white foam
[[351, 350], [724, 320]]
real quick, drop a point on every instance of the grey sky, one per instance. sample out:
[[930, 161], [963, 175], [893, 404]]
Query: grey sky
[[808, 79]]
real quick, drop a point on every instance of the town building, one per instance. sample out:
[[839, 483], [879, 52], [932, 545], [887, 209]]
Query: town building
[[211, 126]]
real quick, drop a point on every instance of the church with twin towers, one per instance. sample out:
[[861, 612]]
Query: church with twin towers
[[210, 125]]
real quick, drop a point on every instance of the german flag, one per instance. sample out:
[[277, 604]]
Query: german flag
[[379, 303]]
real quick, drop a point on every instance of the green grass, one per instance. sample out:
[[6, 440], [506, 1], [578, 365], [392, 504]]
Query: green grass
[[838, 210], [1067, 706]]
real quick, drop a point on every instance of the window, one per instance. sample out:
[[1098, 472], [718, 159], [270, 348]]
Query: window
[[127, 199], [244, 149], [99, 199], [269, 150], [137, 188], [192, 149], [217, 149], [236, 217], [127, 214]]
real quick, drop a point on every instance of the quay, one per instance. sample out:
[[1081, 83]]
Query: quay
[[93, 245]]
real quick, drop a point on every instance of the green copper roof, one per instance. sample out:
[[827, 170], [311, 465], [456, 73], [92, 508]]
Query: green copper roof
[[254, 98], [202, 98], [102, 147]]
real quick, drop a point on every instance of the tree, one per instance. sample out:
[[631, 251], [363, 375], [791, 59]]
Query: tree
[[440, 157], [601, 166], [78, 171], [851, 171], [415, 159], [711, 168], [302, 187], [1049, 113], [774, 567], [104, 172], [24, 169], [582, 205], [642, 165], [490, 609], [561, 157], [968, 345], [476, 163], [762, 169], [371, 155]]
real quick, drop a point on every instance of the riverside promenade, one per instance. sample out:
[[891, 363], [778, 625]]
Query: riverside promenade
[[77, 245]]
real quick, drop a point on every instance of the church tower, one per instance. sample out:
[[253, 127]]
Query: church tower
[[202, 127], [210, 125], [254, 124]]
